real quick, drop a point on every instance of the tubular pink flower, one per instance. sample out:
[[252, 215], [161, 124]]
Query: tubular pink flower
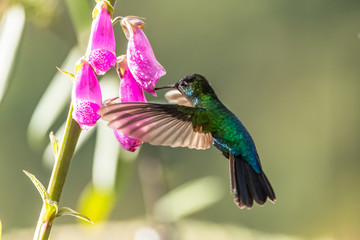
[[101, 48], [86, 96], [140, 56], [129, 91]]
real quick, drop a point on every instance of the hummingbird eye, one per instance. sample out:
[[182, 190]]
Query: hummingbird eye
[[183, 84]]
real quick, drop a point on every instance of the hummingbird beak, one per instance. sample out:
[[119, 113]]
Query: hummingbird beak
[[168, 86]]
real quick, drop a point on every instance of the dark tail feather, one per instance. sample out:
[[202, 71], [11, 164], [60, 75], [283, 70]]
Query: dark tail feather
[[248, 185]]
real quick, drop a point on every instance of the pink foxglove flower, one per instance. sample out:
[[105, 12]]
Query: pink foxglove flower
[[86, 96], [129, 91], [101, 48], [140, 56]]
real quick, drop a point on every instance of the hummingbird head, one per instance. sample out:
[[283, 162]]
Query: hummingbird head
[[194, 84], [194, 87]]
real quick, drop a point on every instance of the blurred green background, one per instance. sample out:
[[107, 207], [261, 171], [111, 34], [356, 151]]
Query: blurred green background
[[288, 69]]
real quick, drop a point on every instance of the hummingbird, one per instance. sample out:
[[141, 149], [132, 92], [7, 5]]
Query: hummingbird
[[205, 121]]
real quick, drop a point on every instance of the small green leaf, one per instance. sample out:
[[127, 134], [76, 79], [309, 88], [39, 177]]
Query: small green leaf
[[109, 7], [54, 143], [42, 190], [72, 77], [68, 211], [51, 206]]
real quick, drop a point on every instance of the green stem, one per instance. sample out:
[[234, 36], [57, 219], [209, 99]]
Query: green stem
[[115, 20], [58, 176]]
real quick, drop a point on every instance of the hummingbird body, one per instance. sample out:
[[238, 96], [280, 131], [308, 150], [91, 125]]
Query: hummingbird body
[[228, 132], [231, 135], [206, 121]]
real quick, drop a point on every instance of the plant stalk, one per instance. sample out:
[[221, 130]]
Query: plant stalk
[[78, 11], [58, 176]]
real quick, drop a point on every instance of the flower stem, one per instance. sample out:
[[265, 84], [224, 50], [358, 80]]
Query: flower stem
[[58, 176], [115, 20]]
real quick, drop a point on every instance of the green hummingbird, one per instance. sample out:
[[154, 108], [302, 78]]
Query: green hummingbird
[[204, 122]]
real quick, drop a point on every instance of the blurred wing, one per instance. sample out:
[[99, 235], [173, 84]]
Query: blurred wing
[[175, 97], [157, 124]]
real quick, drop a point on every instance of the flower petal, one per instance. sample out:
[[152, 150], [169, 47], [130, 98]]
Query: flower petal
[[142, 62], [130, 91], [85, 114], [128, 143], [101, 60]]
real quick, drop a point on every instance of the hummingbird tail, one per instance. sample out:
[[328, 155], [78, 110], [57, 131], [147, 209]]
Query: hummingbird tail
[[249, 185]]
